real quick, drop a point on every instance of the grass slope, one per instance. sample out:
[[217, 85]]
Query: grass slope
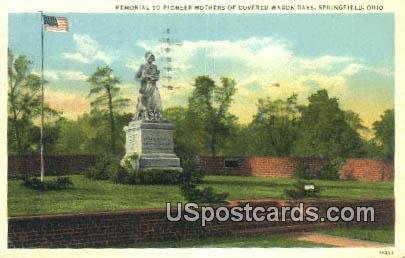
[[240, 187], [90, 195]]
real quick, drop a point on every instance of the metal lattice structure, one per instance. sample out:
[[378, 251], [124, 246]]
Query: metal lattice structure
[[167, 44]]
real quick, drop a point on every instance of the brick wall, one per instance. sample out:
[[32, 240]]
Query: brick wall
[[126, 228], [214, 165], [354, 169], [55, 164], [368, 170], [282, 166]]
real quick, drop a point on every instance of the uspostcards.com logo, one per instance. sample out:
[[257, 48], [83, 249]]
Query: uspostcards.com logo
[[193, 212]]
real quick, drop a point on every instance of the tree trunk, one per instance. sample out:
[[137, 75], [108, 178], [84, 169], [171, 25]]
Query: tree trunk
[[112, 124], [17, 133], [213, 142], [15, 120]]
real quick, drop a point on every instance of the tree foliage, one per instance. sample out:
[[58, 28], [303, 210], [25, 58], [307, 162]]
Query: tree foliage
[[208, 113], [184, 145], [24, 109], [88, 134], [324, 130], [280, 127], [384, 130], [106, 97], [273, 130]]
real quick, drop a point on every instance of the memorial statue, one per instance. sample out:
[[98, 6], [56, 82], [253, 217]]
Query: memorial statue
[[149, 137], [149, 105]]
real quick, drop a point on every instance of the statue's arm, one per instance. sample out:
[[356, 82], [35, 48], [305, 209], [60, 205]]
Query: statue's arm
[[138, 74], [154, 76]]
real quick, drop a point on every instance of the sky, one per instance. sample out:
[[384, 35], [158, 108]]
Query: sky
[[350, 55]]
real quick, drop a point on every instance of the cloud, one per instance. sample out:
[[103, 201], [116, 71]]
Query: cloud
[[133, 63], [256, 64], [323, 63], [250, 59], [336, 85], [65, 75], [88, 50], [76, 57], [352, 69]]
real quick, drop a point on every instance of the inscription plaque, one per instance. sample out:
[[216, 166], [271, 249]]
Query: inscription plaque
[[153, 143]]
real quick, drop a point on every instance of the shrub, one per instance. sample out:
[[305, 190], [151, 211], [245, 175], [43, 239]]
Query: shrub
[[159, 177], [131, 162], [120, 175], [298, 190], [191, 178], [102, 169], [205, 195], [127, 175], [59, 183], [34, 183], [63, 182], [149, 177], [329, 172], [303, 172]]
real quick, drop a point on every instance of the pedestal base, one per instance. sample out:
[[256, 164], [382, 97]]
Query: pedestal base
[[153, 143]]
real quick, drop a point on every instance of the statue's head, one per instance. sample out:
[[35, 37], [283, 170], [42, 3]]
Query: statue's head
[[149, 57]]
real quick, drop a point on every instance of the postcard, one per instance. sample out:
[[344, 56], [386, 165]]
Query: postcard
[[191, 128]]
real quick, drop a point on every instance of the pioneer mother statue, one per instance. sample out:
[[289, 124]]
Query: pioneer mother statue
[[149, 105], [148, 137]]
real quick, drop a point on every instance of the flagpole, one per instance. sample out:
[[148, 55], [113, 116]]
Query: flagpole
[[42, 98]]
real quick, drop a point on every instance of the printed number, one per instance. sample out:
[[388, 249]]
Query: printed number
[[386, 252]]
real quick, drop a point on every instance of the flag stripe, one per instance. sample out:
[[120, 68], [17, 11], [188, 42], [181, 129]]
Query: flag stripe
[[57, 24]]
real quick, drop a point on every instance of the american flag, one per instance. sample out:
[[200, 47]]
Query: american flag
[[58, 24]]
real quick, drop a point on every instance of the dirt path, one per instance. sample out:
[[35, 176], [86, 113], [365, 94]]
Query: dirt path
[[338, 241]]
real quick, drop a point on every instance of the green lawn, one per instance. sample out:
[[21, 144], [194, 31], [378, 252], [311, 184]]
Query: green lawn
[[240, 187], [383, 234], [260, 241], [90, 195]]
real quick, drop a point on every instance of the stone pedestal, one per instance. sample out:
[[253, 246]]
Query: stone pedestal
[[153, 143]]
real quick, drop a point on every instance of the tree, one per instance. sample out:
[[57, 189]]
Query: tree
[[274, 127], [384, 130], [325, 131], [86, 135], [23, 101], [104, 88], [24, 106], [71, 139], [183, 147], [354, 121], [208, 113]]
